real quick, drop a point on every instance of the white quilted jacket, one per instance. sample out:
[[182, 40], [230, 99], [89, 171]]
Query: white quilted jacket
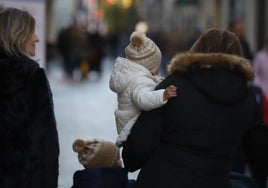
[[134, 86]]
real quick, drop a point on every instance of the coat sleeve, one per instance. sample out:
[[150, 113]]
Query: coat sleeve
[[255, 142], [144, 94], [145, 135], [46, 132], [143, 139]]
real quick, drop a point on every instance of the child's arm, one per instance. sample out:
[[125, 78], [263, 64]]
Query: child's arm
[[147, 99], [170, 91]]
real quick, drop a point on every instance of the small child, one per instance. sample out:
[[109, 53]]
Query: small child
[[102, 163], [134, 79], [97, 153]]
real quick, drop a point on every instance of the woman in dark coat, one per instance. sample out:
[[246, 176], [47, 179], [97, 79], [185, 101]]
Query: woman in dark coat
[[29, 140], [190, 141]]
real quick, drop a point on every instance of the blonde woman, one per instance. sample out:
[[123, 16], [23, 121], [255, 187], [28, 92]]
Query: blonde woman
[[28, 135]]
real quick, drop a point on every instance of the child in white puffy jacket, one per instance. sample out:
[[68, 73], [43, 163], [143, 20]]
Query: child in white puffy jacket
[[134, 79]]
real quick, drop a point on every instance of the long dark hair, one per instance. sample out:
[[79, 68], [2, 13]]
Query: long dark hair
[[217, 41]]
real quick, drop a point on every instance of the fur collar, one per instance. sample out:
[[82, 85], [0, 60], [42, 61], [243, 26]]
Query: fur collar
[[184, 62]]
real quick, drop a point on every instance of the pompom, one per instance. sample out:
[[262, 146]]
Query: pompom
[[137, 39], [78, 145]]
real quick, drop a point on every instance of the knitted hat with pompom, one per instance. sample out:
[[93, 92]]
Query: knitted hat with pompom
[[97, 153], [143, 51]]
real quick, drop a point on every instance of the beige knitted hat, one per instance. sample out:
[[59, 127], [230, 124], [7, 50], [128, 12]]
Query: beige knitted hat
[[143, 51], [97, 153]]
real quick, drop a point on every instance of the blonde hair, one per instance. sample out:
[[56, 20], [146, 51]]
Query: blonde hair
[[17, 26]]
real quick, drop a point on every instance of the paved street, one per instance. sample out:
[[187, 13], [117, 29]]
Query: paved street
[[83, 110]]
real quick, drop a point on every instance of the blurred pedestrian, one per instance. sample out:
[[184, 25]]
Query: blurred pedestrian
[[29, 140], [96, 46], [64, 49], [196, 33], [237, 26], [73, 46], [134, 79], [260, 66], [190, 141]]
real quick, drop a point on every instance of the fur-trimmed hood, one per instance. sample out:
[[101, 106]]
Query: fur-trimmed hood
[[221, 77], [186, 61]]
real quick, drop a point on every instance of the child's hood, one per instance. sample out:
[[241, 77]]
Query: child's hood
[[124, 72]]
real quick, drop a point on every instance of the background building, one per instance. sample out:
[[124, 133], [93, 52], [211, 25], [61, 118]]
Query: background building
[[171, 15], [175, 18]]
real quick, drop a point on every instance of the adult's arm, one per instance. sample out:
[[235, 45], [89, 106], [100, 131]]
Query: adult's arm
[[143, 140], [46, 131], [255, 141], [145, 134]]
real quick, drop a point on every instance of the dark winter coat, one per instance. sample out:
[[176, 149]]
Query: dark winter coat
[[106, 177], [190, 141], [29, 147]]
